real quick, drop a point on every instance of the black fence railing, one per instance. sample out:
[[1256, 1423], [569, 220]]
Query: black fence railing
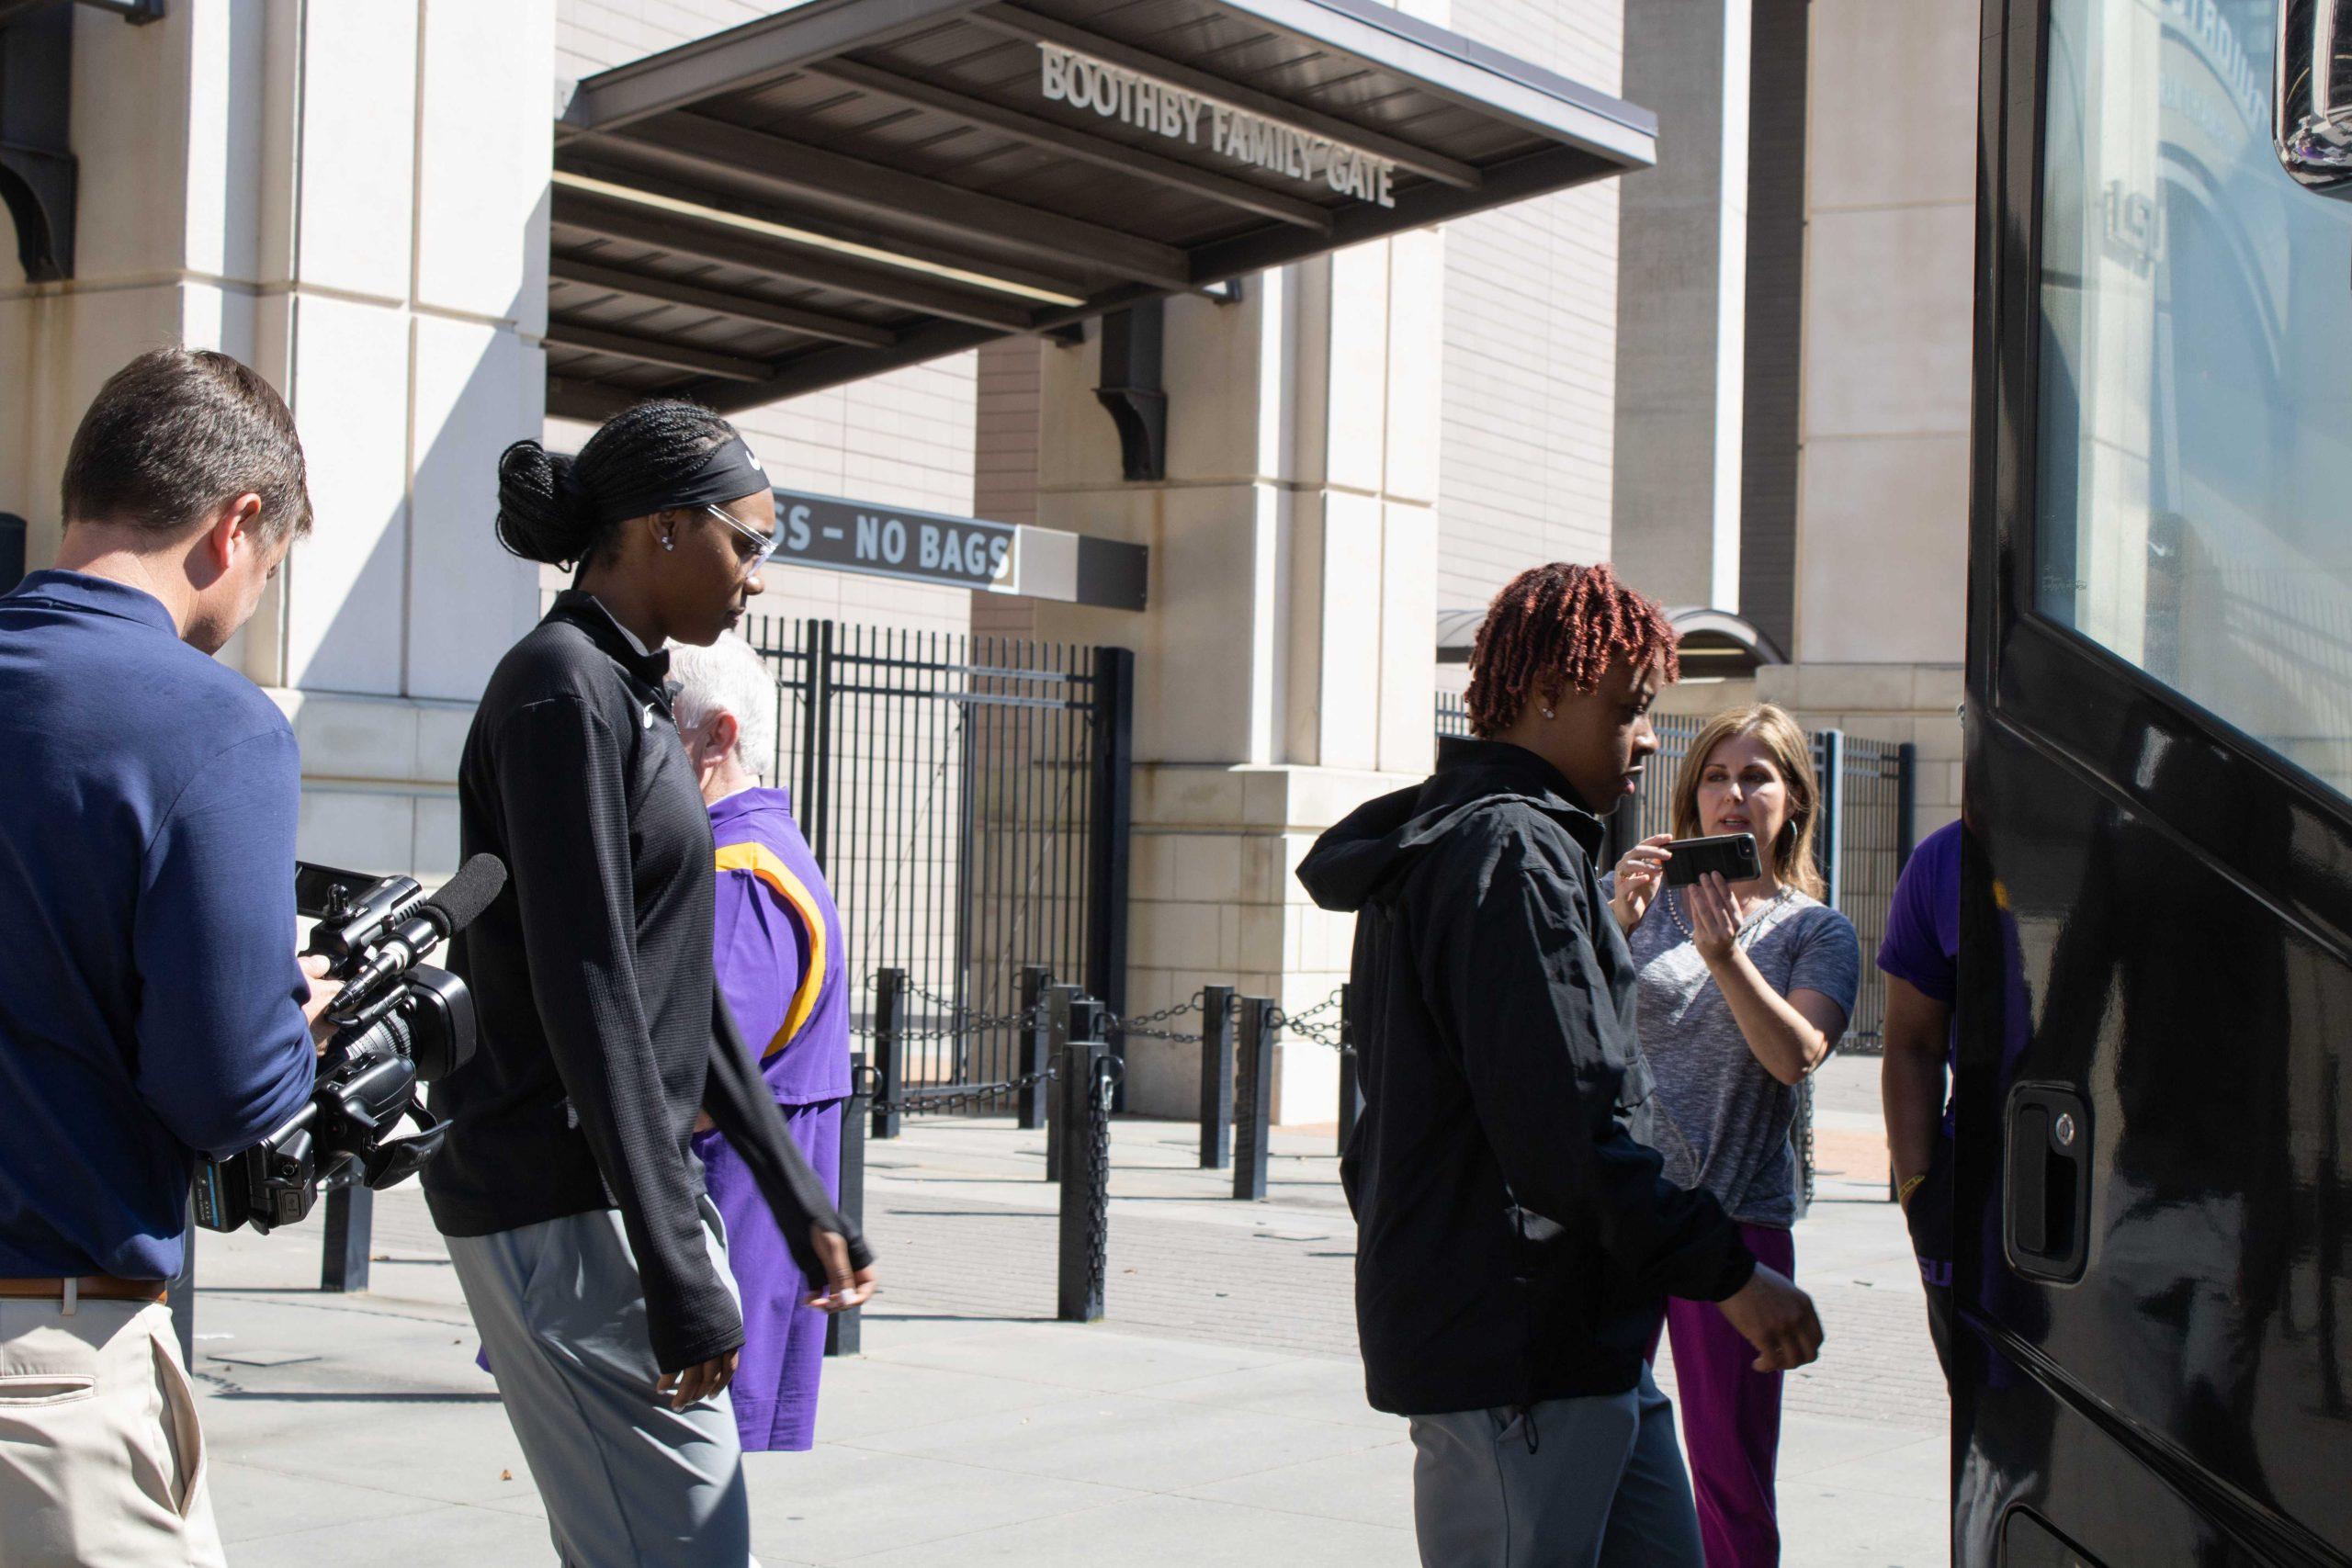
[[967, 797]]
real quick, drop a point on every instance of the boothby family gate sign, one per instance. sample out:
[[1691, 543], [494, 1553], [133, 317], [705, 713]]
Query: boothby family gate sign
[[1066, 76]]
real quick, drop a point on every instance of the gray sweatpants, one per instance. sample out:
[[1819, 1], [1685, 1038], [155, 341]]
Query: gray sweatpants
[[626, 1479], [1594, 1482]]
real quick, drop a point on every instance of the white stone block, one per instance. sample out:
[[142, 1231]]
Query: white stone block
[[1867, 145], [358, 147], [356, 737], [1409, 608], [484, 155], [367, 830], [1355, 579], [1883, 555], [1356, 421], [436, 856], [1416, 367], [477, 389], [343, 583], [1888, 318]]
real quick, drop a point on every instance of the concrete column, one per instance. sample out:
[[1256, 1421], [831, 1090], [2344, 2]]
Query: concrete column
[[1284, 667], [351, 198], [1682, 305]]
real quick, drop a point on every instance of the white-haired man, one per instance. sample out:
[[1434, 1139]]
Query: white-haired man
[[779, 961]]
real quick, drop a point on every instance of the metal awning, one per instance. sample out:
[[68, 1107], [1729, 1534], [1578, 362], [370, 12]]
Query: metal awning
[[855, 184]]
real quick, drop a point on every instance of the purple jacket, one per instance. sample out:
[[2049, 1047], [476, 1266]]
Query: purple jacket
[[780, 955]]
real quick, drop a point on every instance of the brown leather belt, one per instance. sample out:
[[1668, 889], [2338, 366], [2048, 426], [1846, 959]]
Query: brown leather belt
[[91, 1287]]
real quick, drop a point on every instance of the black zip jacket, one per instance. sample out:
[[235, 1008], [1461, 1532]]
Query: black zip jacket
[[1514, 1236], [602, 1032]]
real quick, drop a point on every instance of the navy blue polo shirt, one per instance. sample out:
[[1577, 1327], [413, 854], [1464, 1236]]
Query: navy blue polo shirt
[[150, 1001]]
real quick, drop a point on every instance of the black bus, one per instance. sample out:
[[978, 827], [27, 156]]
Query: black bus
[[2157, 1009]]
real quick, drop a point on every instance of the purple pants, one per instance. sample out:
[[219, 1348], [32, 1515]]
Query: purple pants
[[784, 1341], [1731, 1418]]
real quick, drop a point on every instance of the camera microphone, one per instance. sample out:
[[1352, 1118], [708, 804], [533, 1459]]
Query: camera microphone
[[455, 907]]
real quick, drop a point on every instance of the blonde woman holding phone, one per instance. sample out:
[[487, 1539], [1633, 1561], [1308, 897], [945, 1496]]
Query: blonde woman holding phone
[[1744, 987]]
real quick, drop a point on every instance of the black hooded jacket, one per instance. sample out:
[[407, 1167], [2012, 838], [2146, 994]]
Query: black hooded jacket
[[1514, 1234]]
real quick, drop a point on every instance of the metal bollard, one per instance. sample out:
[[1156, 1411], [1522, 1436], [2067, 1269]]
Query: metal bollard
[[1254, 1097], [350, 1234], [1059, 1002], [1217, 1077], [842, 1329], [1350, 1086], [1037, 1046], [890, 1022], [1086, 1177]]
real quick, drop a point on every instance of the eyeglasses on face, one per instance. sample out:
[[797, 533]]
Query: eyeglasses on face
[[763, 547]]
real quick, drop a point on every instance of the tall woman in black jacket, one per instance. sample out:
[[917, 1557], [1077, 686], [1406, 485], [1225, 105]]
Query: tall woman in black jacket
[[593, 1264]]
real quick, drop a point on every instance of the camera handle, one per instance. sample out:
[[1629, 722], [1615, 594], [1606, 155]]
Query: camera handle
[[393, 1162]]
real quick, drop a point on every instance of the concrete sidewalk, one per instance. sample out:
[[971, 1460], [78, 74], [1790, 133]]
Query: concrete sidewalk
[[1218, 1416]]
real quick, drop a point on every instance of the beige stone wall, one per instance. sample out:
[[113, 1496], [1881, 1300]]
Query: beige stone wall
[[1531, 329], [351, 199], [1883, 500]]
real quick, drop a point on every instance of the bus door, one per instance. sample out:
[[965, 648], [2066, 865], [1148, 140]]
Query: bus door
[[2155, 1121]]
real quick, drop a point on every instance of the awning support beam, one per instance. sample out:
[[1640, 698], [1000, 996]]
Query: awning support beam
[[720, 302], [717, 150], [1032, 28], [654, 351], [1076, 145], [784, 264]]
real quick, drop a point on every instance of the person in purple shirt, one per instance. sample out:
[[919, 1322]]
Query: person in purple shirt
[[1920, 958], [781, 964]]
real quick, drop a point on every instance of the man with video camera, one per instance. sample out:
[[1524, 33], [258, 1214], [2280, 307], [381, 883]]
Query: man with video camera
[[151, 1008]]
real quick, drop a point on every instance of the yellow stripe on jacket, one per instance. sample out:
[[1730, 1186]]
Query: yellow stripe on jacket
[[761, 862]]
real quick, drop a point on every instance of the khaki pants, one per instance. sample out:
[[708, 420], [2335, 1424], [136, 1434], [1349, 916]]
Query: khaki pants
[[100, 1459]]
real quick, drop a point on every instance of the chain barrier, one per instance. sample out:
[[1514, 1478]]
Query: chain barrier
[[1324, 1034], [957, 1099], [962, 1020], [1115, 1027]]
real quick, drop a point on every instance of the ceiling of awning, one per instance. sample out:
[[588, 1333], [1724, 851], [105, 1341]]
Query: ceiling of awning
[[855, 184]]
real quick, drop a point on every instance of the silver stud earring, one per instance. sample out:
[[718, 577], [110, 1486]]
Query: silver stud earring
[[670, 543], [1549, 714]]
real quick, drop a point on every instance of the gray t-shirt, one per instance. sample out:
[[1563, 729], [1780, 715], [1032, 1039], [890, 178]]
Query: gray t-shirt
[[1723, 1121]]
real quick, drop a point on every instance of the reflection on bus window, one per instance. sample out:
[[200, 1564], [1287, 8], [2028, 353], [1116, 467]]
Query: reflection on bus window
[[2196, 442]]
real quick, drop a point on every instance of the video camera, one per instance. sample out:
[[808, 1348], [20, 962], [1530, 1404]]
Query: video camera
[[398, 1022]]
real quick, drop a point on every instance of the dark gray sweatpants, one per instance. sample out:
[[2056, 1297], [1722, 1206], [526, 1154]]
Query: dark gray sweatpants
[[1594, 1482], [629, 1483]]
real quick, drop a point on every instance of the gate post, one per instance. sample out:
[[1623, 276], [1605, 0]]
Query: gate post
[[1217, 1077], [842, 1330], [1254, 1099], [1831, 838], [1351, 1090], [1906, 802], [889, 1019], [1108, 854], [1086, 1185], [1036, 1045], [350, 1234], [1060, 1002]]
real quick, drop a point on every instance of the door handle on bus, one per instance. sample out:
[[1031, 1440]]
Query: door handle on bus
[[2046, 1193]]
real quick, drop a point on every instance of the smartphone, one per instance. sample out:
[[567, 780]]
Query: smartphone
[[1733, 855]]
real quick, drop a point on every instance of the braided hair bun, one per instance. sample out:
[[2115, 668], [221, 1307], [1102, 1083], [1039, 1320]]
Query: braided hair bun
[[536, 518], [550, 507]]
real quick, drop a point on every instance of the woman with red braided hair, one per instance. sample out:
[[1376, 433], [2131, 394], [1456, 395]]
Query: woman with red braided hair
[[1516, 1235]]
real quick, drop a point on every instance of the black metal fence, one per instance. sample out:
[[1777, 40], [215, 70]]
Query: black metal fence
[[967, 800]]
